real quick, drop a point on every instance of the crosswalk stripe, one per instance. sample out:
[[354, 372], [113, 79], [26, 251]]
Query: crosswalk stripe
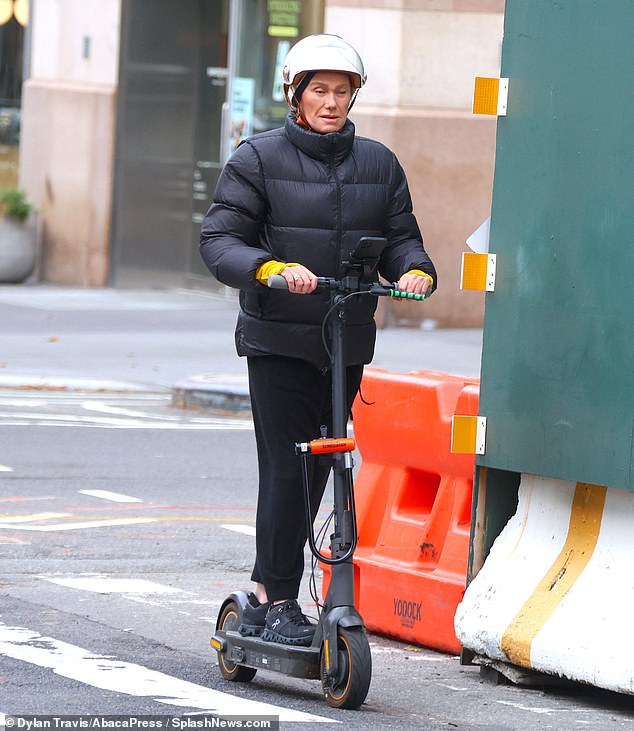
[[115, 497], [111, 585], [76, 525], [248, 530], [108, 673]]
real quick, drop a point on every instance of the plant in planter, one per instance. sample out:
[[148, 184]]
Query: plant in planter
[[17, 239]]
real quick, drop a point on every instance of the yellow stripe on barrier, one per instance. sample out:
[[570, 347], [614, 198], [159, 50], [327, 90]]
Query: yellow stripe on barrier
[[583, 533]]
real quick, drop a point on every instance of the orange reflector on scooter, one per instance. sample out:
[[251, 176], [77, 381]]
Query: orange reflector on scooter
[[326, 446]]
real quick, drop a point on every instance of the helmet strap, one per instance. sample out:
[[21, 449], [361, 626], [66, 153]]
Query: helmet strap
[[298, 90], [354, 98]]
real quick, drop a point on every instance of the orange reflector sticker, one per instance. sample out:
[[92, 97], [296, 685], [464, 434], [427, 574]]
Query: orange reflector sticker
[[490, 96], [468, 434], [477, 272]]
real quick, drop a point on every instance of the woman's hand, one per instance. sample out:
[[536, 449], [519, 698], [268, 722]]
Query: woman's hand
[[300, 279], [414, 283]]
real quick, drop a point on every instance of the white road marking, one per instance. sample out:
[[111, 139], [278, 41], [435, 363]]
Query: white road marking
[[22, 403], [108, 673], [424, 656], [8, 519], [120, 410], [532, 709], [19, 397], [115, 497], [43, 419], [248, 530], [5, 468], [110, 585], [76, 526], [102, 408]]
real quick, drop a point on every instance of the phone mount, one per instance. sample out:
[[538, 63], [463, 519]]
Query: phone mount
[[363, 261]]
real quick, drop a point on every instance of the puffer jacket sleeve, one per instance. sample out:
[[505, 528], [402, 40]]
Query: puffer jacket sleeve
[[405, 250], [229, 234]]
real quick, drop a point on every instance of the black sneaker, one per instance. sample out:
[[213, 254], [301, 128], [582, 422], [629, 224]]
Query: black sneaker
[[286, 624], [253, 617]]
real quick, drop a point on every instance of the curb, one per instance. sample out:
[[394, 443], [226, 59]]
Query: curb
[[223, 391]]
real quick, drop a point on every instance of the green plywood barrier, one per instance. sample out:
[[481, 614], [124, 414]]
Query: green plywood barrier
[[558, 356]]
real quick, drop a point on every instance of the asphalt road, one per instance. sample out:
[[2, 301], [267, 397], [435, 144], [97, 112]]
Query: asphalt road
[[123, 525]]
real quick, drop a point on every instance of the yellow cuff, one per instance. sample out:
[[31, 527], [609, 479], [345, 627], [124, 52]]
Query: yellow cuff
[[265, 270], [421, 274]]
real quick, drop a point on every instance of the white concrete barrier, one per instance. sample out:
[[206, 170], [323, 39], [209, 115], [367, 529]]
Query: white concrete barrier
[[556, 593]]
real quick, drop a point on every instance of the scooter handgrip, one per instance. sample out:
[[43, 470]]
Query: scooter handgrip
[[277, 281]]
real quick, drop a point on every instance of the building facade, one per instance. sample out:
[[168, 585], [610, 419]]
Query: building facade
[[132, 106]]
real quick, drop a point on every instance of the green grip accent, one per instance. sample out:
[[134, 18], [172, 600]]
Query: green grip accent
[[406, 295]]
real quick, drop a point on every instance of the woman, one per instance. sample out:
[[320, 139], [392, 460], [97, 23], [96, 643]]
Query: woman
[[295, 201]]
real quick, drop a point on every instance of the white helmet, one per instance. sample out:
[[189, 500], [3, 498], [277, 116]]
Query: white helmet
[[323, 52]]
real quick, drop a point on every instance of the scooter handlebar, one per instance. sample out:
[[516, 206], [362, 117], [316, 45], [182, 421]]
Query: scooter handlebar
[[277, 281]]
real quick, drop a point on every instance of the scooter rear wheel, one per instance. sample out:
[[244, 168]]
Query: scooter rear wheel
[[230, 619], [354, 672]]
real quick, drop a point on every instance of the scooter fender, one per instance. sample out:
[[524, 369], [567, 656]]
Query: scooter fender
[[345, 617], [239, 597]]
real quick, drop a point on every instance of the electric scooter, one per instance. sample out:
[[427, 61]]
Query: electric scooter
[[339, 654]]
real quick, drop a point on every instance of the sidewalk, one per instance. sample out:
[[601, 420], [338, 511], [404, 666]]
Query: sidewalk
[[171, 340]]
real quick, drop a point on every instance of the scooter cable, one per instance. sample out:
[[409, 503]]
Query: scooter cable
[[324, 322], [321, 536]]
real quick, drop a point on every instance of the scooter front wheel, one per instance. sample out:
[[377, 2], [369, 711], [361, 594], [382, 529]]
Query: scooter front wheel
[[354, 670], [230, 619]]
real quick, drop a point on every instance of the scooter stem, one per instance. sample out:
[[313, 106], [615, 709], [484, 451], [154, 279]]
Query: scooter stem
[[341, 590]]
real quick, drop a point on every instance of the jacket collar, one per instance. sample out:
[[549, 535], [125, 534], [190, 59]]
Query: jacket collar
[[333, 146]]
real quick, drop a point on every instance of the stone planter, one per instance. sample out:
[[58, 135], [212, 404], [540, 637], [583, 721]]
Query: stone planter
[[17, 251]]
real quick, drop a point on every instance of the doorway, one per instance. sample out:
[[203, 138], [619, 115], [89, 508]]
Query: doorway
[[172, 87]]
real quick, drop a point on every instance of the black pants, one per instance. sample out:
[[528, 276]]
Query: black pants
[[290, 400]]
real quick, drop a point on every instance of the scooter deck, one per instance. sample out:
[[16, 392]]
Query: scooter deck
[[297, 661]]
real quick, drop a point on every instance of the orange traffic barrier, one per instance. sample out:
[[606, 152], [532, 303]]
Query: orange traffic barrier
[[413, 500]]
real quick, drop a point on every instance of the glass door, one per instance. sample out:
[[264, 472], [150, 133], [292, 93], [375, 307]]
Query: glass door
[[211, 115], [172, 87]]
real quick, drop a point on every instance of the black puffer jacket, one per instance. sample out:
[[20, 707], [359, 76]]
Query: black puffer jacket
[[298, 196]]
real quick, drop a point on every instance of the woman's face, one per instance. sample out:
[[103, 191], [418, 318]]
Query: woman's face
[[325, 101]]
